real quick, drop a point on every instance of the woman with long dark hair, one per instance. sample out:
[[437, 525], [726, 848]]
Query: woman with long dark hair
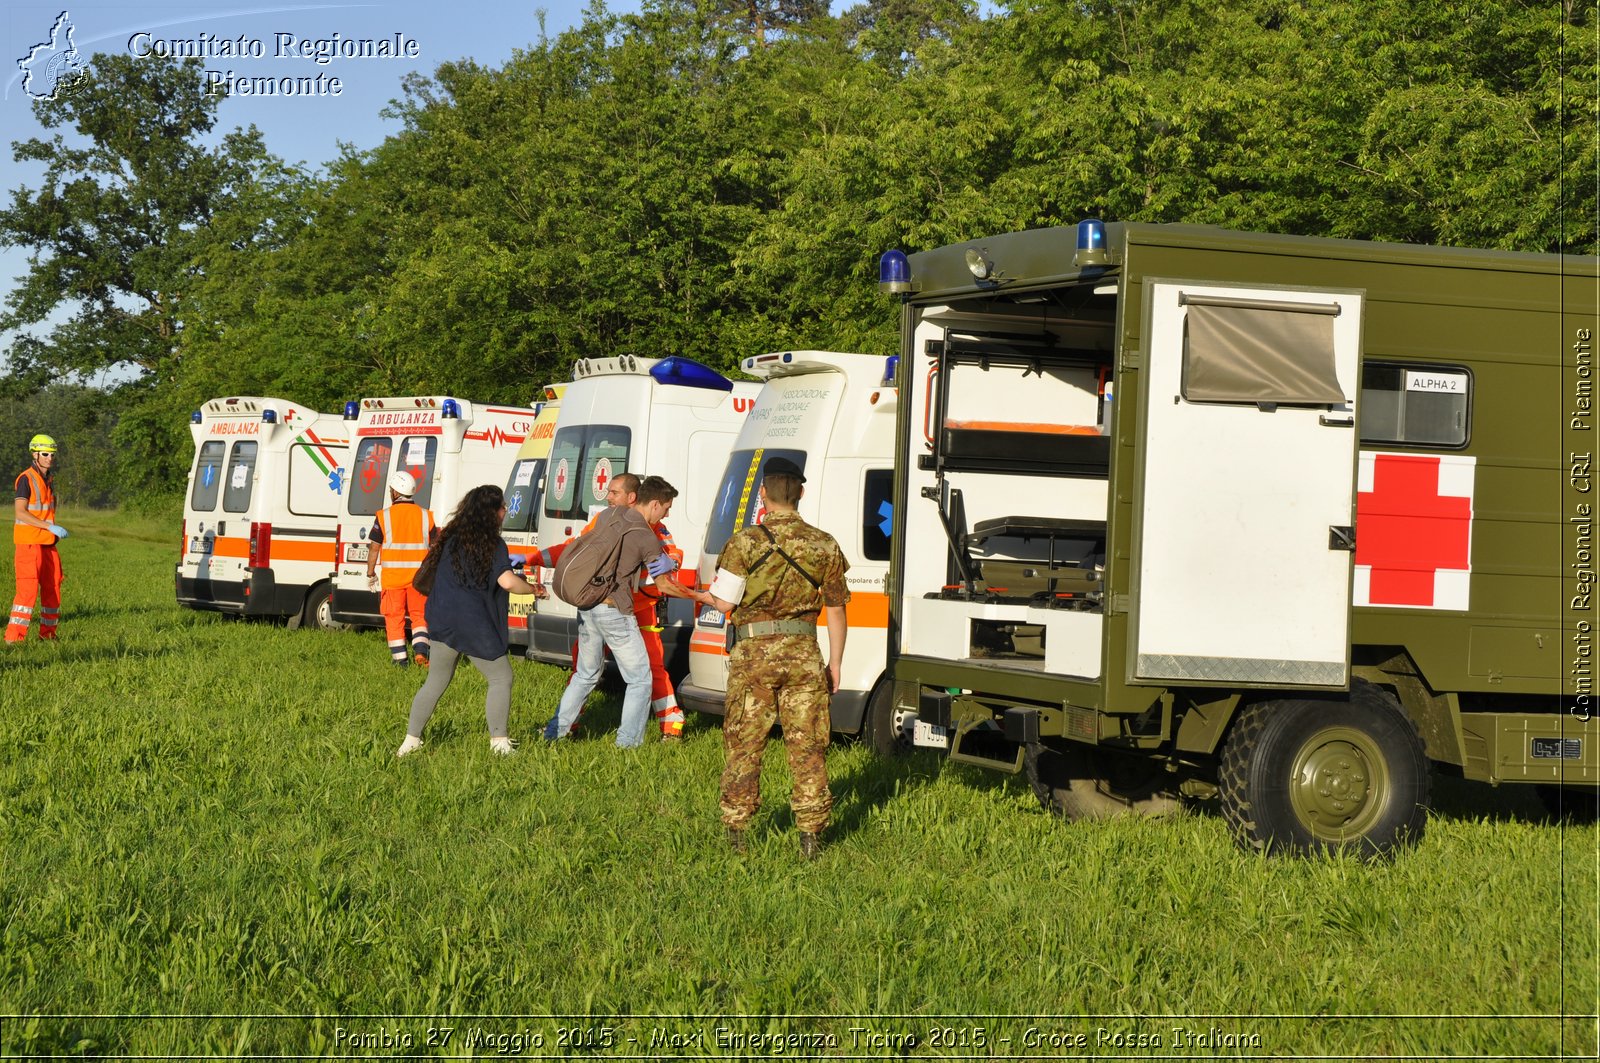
[[466, 614]]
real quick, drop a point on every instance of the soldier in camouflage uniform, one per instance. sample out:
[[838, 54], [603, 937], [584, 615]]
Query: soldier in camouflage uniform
[[775, 670]]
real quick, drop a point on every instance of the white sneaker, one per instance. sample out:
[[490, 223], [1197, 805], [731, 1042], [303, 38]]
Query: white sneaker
[[409, 746], [502, 746]]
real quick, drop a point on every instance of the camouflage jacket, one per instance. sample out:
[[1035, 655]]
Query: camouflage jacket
[[773, 589]]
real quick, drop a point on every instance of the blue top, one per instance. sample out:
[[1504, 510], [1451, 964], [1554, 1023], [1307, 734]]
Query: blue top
[[470, 620]]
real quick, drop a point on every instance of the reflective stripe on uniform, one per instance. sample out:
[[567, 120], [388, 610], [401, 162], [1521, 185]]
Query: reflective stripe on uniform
[[41, 505], [406, 527]]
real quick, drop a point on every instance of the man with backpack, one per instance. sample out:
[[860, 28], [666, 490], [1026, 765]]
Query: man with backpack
[[597, 573]]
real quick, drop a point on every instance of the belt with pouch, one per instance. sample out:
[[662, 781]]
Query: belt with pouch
[[773, 627]]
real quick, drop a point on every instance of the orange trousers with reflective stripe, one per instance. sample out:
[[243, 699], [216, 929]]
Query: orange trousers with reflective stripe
[[397, 604], [38, 576]]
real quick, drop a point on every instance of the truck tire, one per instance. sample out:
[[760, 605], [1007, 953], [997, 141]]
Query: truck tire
[[886, 729], [1078, 782], [319, 610], [1323, 776]]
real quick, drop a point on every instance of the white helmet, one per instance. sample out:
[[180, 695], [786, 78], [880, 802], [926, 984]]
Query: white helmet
[[403, 484]]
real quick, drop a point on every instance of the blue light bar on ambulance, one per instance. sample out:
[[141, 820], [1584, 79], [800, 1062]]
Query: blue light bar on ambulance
[[688, 373], [1091, 243], [352, 410], [891, 366], [894, 272], [196, 417], [451, 408], [269, 416]]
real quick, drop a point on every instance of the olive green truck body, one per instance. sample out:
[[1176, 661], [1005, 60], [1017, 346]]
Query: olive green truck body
[[1289, 521]]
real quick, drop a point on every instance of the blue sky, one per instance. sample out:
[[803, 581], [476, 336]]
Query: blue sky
[[301, 128]]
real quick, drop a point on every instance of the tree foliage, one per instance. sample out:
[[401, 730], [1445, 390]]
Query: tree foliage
[[717, 177]]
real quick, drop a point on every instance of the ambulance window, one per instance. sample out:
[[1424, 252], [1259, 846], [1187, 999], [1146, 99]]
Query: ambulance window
[[240, 477], [416, 457], [522, 494], [207, 476], [877, 511], [1419, 405], [369, 475], [566, 458], [738, 503], [583, 461], [605, 455]]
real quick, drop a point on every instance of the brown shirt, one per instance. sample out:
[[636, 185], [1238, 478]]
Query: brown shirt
[[637, 552]]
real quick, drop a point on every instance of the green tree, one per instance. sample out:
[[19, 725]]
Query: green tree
[[115, 228]]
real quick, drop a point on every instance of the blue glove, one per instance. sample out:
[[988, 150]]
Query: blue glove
[[518, 560], [662, 565], [58, 531]]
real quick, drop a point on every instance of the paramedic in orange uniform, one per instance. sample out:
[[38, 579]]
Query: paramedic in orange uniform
[[624, 491], [35, 534], [400, 537]]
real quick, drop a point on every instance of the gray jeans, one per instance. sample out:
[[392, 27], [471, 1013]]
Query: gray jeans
[[442, 668]]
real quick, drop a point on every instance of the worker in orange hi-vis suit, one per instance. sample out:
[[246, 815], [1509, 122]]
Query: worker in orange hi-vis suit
[[35, 534], [647, 601], [400, 538]]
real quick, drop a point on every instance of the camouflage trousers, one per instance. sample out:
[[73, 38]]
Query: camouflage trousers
[[779, 678]]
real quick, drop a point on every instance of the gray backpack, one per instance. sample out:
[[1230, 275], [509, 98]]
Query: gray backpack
[[586, 573]]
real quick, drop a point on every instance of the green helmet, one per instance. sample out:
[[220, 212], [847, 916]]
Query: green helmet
[[41, 444]]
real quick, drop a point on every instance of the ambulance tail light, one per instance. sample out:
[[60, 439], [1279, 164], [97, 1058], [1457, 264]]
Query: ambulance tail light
[[183, 541], [338, 547], [687, 372], [260, 544]]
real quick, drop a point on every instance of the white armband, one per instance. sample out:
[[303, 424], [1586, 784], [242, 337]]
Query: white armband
[[727, 586]]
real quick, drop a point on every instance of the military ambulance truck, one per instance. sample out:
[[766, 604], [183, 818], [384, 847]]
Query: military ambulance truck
[[833, 415], [261, 509], [1290, 522]]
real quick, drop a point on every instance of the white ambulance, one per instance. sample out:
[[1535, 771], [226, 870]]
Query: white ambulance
[[524, 496], [833, 415], [450, 445], [669, 417], [260, 513]]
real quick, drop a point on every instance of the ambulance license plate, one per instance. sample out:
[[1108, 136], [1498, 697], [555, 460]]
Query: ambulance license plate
[[712, 618], [356, 552], [926, 734], [198, 545]]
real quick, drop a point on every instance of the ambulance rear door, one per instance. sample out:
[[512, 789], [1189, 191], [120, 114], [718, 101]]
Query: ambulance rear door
[[1244, 536]]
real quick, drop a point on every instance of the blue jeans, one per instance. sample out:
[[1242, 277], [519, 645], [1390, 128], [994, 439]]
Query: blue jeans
[[599, 627]]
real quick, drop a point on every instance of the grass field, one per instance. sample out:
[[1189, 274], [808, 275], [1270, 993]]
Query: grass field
[[208, 848]]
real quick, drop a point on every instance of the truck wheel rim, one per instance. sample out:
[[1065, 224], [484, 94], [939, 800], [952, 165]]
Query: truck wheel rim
[[1339, 785]]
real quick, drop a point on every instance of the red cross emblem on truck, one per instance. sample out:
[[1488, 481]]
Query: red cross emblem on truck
[[1414, 530], [602, 476]]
